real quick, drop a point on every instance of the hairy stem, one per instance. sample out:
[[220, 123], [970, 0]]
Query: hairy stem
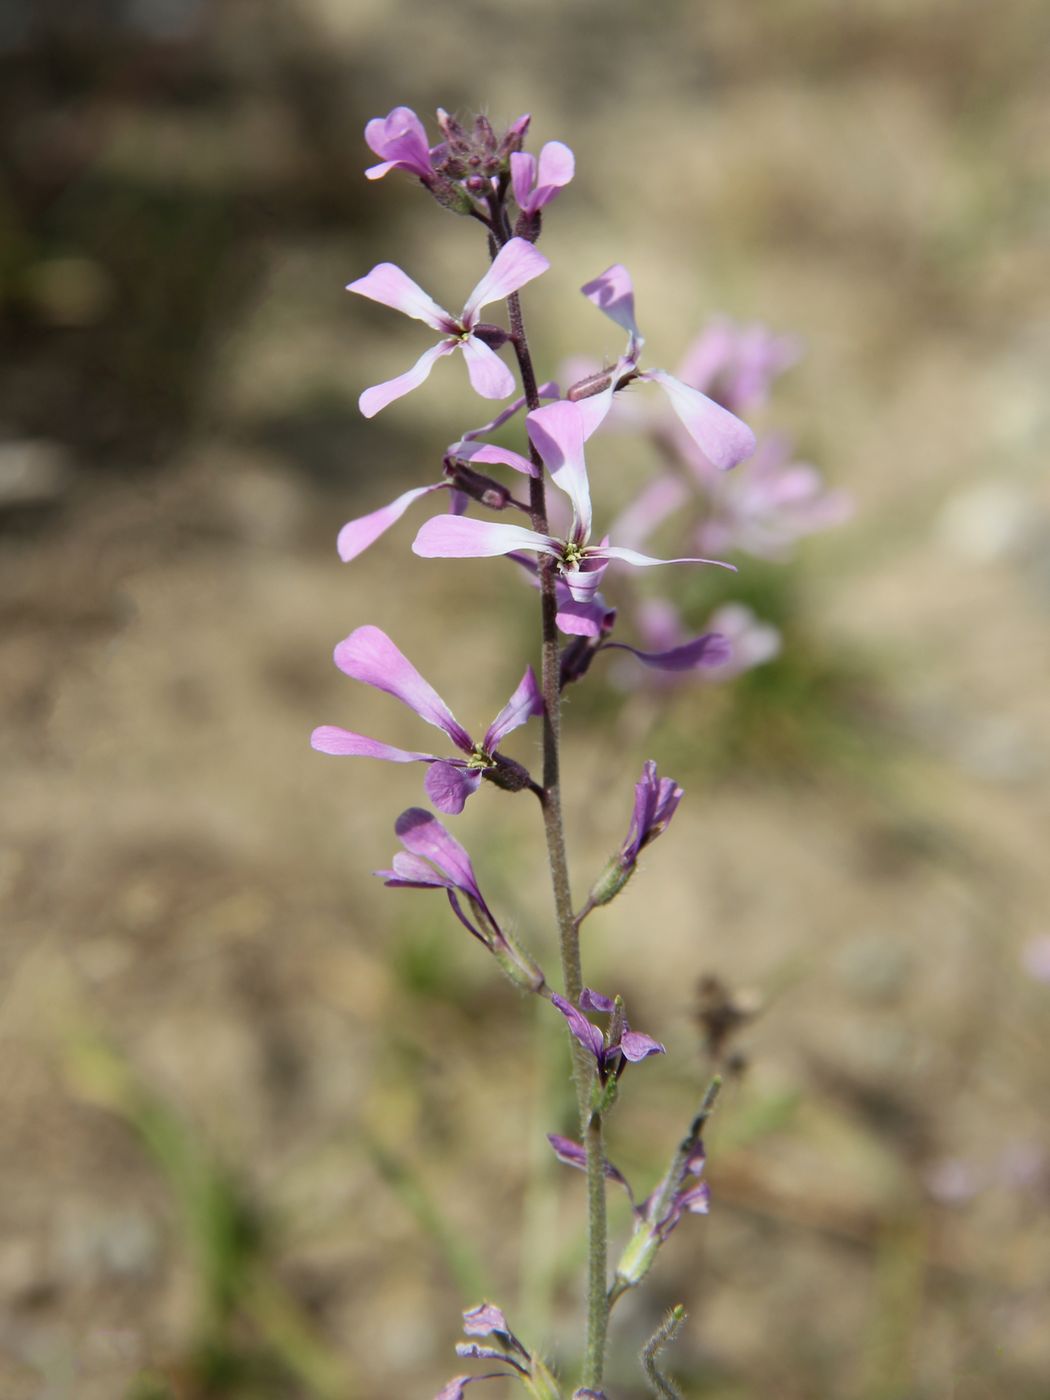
[[568, 931]]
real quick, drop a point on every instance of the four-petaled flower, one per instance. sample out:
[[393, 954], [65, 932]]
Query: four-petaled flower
[[557, 432], [370, 656], [516, 263]]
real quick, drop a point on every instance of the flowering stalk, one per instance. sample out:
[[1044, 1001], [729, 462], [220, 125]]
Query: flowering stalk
[[489, 178]]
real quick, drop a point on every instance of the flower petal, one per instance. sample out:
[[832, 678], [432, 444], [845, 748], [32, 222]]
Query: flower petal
[[589, 1036], [399, 139], [421, 834], [388, 285], [556, 431], [490, 453], [516, 263], [720, 435], [356, 535], [574, 1154], [483, 1320], [329, 738], [613, 293], [590, 619], [710, 649], [526, 701], [463, 537], [379, 395], [590, 1000], [644, 561], [636, 1046], [448, 786], [368, 655], [556, 169], [523, 179], [489, 376]]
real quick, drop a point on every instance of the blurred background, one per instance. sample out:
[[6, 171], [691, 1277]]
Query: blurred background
[[268, 1126]]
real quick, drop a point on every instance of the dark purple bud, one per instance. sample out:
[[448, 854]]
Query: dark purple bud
[[484, 489], [576, 660], [493, 336], [508, 774], [514, 137], [477, 185]]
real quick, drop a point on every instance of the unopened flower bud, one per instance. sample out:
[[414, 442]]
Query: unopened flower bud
[[493, 336], [484, 489], [450, 195]]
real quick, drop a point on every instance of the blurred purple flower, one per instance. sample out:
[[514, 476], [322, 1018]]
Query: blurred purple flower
[[368, 655], [736, 365], [1035, 958], [769, 504], [516, 263], [557, 432], [656, 800]]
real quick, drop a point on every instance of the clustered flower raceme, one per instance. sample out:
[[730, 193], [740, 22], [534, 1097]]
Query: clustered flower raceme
[[487, 176]]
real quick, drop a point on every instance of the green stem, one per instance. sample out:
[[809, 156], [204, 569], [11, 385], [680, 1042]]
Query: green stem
[[568, 931]]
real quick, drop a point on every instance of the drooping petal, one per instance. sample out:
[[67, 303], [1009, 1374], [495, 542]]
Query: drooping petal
[[589, 1036], [490, 453], [388, 285], [329, 738], [710, 649], [556, 431], [590, 619], [590, 1000], [613, 293], [720, 435], [463, 537], [422, 834], [489, 376], [400, 141], [516, 263], [356, 535], [449, 785], [644, 561], [368, 655], [637, 1046], [526, 701], [574, 1154], [583, 582], [379, 395]]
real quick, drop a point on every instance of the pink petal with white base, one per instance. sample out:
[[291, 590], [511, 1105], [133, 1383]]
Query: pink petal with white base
[[462, 537], [720, 435], [356, 535], [329, 738], [372, 400], [388, 285], [516, 263], [556, 431], [489, 376], [497, 456], [370, 656]]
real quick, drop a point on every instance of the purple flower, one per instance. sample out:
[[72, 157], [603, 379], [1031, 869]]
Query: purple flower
[[769, 504], [743, 640], [620, 1044], [557, 432], [370, 656], [736, 365], [682, 1192], [656, 800], [574, 1154], [434, 859], [401, 144], [536, 184], [722, 437], [516, 263]]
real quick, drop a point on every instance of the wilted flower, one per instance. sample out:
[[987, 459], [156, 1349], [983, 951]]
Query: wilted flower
[[656, 800], [434, 859], [613, 1049]]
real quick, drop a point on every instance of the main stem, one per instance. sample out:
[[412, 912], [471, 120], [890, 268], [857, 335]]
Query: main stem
[[568, 930]]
